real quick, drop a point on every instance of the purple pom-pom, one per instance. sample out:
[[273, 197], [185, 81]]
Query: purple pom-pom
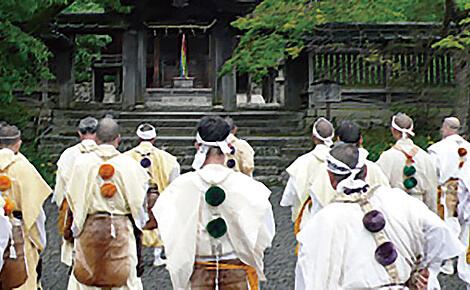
[[231, 163], [386, 254], [145, 163], [232, 149], [374, 221]]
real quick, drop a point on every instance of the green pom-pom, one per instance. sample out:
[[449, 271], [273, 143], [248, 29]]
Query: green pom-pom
[[409, 183], [409, 170], [217, 228], [215, 195]]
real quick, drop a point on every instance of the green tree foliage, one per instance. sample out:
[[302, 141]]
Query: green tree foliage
[[23, 55], [460, 39], [276, 29]]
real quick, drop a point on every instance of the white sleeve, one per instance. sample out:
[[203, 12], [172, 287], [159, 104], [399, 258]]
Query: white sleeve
[[174, 173], [41, 224], [289, 195], [440, 244], [435, 161]]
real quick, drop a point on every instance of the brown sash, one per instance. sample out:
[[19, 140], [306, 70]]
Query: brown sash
[[14, 272], [101, 260]]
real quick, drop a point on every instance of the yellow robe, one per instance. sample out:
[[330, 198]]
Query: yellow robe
[[244, 156], [301, 173], [28, 192], [163, 169], [84, 197]]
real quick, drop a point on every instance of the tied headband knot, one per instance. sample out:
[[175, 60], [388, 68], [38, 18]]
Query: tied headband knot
[[327, 140], [402, 130], [204, 147], [350, 184]]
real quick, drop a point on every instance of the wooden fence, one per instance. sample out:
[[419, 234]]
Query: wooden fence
[[356, 69]]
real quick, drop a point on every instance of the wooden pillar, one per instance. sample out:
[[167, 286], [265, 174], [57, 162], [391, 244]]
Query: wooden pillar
[[156, 61], [65, 60], [222, 44], [295, 78], [141, 89], [134, 68]]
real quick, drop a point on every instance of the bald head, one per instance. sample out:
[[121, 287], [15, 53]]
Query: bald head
[[108, 131], [450, 126]]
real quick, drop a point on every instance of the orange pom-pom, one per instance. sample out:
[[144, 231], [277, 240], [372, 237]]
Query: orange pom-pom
[[9, 206], [106, 171], [5, 183], [108, 190], [462, 152]]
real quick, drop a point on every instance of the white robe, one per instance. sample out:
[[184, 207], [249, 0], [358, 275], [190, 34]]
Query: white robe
[[463, 210], [301, 172], [65, 166], [182, 213], [392, 163], [5, 231], [337, 252]]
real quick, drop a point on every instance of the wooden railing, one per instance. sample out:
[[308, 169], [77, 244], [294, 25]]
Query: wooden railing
[[356, 69]]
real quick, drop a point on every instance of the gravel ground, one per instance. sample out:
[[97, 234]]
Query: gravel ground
[[279, 260]]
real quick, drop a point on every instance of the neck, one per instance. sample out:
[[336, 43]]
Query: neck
[[215, 159]]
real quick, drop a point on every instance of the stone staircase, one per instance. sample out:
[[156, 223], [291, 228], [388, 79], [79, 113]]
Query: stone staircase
[[276, 136]]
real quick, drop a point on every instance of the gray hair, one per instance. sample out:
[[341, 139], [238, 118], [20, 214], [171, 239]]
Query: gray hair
[[88, 125], [107, 131], [9, 135]]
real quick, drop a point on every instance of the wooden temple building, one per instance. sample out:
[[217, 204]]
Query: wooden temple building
[[144, 55], [144, 58]]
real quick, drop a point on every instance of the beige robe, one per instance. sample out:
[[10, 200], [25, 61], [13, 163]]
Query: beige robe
[[244, 156], [65, 166], [28, 192], [84, 197], [182, 214], [163, 170], [302, 172], [392, 163], [322, 192]]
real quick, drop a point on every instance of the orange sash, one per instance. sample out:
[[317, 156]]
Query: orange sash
[[251, 274]]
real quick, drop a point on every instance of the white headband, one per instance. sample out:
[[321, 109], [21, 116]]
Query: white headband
[[16, 136], [328, 140], [204, 147], [403, 131], [146, 135], [338, 167]]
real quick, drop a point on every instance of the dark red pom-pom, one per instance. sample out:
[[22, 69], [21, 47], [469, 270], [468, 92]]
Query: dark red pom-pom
[[386, 254], [374, 221], [231, 163], [145, 163]]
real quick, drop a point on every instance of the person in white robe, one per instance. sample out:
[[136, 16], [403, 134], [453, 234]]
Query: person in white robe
[[463, 210], [449, 155], [215, 223], [109, 186], [371, 237], [407, 166], [87, 132], [304, 170], [321, 192], [162, 168], [24, 191], [242, 156], [5, 231]]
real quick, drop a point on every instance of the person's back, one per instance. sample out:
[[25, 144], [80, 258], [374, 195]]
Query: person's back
[[371, 237], [242, 156], [214, 219], [106, 192], [24, 191], [409, 167]]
